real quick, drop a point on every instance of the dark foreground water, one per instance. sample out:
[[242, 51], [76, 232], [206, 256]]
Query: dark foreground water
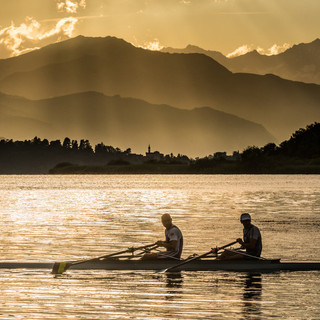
[[54, 218]]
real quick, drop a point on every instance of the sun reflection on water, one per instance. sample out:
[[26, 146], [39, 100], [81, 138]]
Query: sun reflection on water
[[54, 218]]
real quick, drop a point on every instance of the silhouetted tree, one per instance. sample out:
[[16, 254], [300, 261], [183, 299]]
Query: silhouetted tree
[[66, 143], [100, 148], [251, 154], [304, 143], [36, 141], [111, 149], [56, 144], [127, 152], [269, 149], [75, 146], [85, 146], [45, 143]]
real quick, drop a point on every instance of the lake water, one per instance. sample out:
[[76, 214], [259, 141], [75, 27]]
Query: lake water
[[56, 218]]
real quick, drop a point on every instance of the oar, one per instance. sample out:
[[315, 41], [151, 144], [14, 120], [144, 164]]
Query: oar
[[254, 257], [214, 250], [60, 267]]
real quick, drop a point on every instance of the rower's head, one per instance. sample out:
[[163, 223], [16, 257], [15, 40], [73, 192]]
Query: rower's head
[[245, 219], [166, 220]]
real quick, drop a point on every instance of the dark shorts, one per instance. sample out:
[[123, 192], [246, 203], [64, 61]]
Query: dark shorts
[[254, 254]]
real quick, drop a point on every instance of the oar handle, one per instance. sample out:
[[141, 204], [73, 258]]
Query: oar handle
[[215, 250]]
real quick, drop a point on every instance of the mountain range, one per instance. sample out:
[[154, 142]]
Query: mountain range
[[191, 104], [299, 63], [127, 122]]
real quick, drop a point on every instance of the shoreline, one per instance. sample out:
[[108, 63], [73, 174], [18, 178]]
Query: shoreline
[[181, 169]]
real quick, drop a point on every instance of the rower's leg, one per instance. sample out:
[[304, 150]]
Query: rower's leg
[[149, 256], [230, 255]]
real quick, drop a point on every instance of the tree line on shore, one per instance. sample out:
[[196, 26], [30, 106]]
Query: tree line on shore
[[38, 156], [299, 154]]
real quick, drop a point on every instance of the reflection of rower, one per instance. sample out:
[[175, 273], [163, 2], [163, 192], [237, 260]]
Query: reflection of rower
[[174, 280], [173, 242], [252, 292], [252, 241]]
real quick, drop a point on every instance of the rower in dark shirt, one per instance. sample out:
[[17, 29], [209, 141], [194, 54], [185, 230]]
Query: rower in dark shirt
[[251, 242]]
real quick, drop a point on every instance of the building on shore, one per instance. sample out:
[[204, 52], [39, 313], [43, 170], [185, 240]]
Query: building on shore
[[154, 156], [223, 155]]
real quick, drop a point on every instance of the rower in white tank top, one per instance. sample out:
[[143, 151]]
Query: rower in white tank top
[[173, 243]]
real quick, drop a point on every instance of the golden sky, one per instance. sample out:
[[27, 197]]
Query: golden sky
[[228, 26]]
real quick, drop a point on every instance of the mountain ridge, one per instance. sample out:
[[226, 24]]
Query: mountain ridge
[[301, 62], [128, 122], [74, 47]]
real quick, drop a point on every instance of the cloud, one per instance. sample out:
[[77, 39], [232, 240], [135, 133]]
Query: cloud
[[31, 35], [153, 45], [240, 51], [70, 6], [274, 50]]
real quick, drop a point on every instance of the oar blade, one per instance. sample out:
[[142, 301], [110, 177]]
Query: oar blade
[[162, 271], [60, 267]]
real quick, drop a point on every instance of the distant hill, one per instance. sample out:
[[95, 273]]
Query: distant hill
[[299, 63], [113, 66], [215, 55], [128, 123]]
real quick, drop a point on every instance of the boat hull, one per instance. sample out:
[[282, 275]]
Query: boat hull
[[197, 265]]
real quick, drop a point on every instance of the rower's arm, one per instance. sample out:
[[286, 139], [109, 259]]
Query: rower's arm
[[250, 245], [171, 245]]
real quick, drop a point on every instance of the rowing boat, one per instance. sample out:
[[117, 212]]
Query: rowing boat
[[197, 265]]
